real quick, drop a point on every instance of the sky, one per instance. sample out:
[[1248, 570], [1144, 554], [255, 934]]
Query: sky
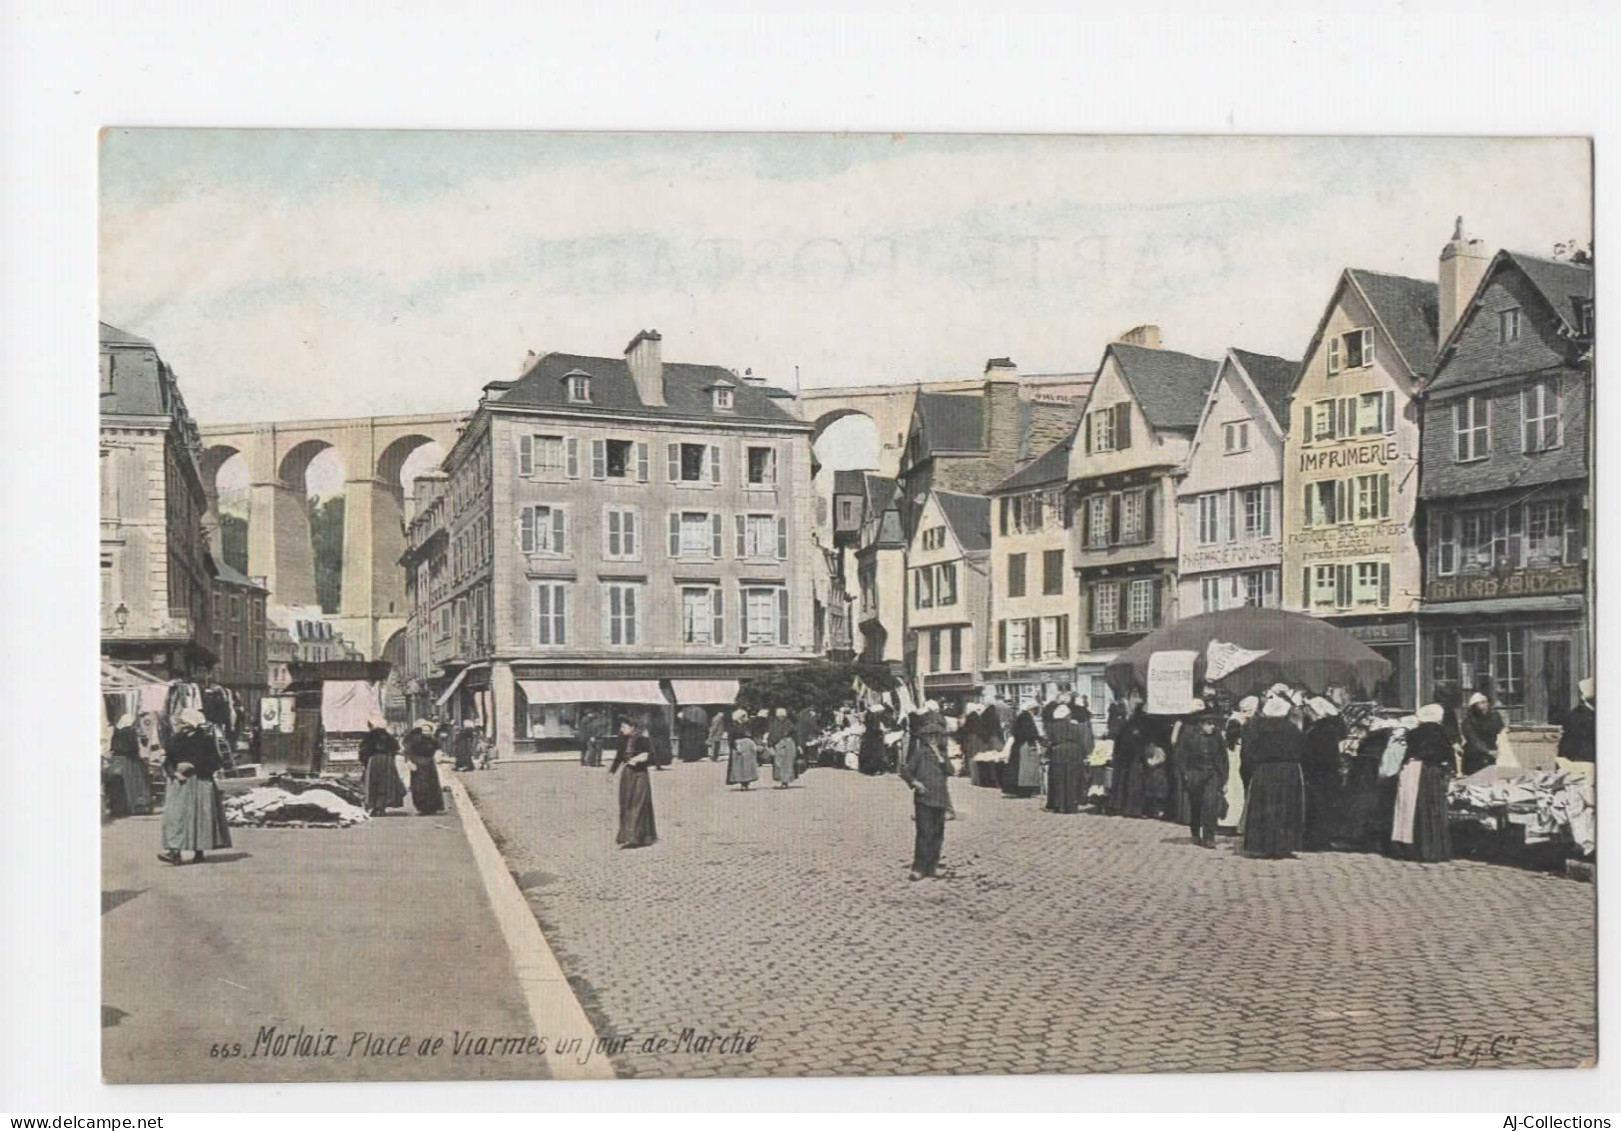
[[290, 274]]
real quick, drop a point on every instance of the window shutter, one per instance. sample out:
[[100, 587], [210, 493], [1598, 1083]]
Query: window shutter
[[610, 609], [641, 462], [1390, 413], [628, 531], [782, 539], [1384, 584], [1342, 586], [1384, 495], [630, 614], [1069, 512], [1086, 521], [675, 534], [1367, 347], [526, 455], [716, 546], [559, 531], [526, 538], [611, 534], [742, 615], [1122, 426], [1148, 515], [1305, 587], [1004, 515], [1333, 355], [599, 459], [742, 537], [673, 451], [1305, 425], [782, 615], [543, 614], [1159, 601], [1114, 519], [1001, 641], [717, 615], [572, 446], [773, 467], [714, 463], [1086, 432], [1063, 637]]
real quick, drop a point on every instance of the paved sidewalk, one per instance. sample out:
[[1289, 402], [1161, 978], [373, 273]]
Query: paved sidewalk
[[1052, 944], [383, 928]]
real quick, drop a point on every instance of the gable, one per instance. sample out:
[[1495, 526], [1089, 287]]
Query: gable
[[1476, 353]]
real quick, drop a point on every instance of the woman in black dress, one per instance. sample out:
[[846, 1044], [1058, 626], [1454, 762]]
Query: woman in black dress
[[193, 815], [384, 789], [1128, 789], [420, 746], [1022, 775], [873, 757], [1274, 814], [636, 828], [1419, 829], [1066, 789]]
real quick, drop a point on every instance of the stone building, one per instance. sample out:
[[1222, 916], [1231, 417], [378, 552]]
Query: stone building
[[1132, 443], [427, 643], [948, 570], [1350, 474], [626, 531], [1229, 502], [240, 634], [1506, 491], [156, 583], [1030, 636], [880, 559]]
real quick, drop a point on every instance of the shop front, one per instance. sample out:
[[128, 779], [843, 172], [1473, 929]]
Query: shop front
[[1395, 639], [1526, 653]]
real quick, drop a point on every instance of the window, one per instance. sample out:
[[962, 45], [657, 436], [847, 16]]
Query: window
[[765, 616], [1210, 595], [701, 616], [1323, 502], [1109, 429], [1539, 408], [956, 649], [1105, 607], [1236, 436], [1257, 512], [1141, 609], [1097, 522], [945, 585], [847, 512], [1377, 414], [695, 534], [723, 398], [1358, 349], [1471, 428], [1018, 641], [1373, 497], [1032, 512], [620, 534], [614, 459], [1131, 516], [1212, 511], [763, 467], [1545, 531], [1322, 420], [934, 650], [619, 614], [1052, 572], [1367, 583], [547, 455], [934, 538], [1322, 584], [687, 462], [541, 530], [1260, 588], [1015, 575], [762, 536], [1508, 326], [1446, 545], [579, 387], [923, 588]]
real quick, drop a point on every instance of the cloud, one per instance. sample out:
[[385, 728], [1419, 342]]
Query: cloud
[[296, 274]]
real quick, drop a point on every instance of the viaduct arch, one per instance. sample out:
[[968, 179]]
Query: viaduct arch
[[373, 450]]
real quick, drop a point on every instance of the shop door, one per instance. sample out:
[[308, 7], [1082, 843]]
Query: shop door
[[1389, 692], [1555, 686]]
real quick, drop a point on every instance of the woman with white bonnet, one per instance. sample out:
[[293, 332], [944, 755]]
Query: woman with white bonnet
[[784, 750], [384, 789], [1419, 829], [1066, 789], [742, 758], [131, 785], [427, 794], [1480, 728], [1021, 777], [193, 816], [1274, 816]]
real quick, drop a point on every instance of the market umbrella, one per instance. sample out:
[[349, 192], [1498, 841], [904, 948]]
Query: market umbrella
[[1295, 649]]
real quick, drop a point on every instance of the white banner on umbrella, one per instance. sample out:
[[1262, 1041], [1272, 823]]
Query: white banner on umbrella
[[1225, 659], [1170, 682]]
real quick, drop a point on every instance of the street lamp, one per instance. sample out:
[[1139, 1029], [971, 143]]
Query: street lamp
[[121, 616]]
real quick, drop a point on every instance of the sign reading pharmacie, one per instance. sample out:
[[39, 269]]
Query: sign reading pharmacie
[[1505, 583], [1266, 552]]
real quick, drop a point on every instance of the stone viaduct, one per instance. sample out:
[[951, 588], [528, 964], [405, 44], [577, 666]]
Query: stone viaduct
[[373, 450]]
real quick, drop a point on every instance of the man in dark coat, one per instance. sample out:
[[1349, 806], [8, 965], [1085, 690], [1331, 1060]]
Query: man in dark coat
[[925, 771], [1480, 728], [1578, 737], [1201, 758]]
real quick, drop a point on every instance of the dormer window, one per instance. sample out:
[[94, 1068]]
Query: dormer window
[[579, 387], [723, 398]]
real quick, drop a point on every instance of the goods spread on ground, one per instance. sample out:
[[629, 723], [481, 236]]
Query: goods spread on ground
[[1550, 806], [269, 805]]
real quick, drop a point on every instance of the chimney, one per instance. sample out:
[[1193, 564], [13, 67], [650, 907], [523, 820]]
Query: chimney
[[1146, 335], [644, 357], [1000, 428], [1463, 265], [750, 379], [527, 363]]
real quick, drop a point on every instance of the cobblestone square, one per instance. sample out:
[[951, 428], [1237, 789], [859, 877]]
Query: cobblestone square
[[1055, 944]]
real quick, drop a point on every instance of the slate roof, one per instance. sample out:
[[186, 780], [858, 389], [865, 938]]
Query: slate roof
[[952, 422], [1564, 285], [1052, 466], [232, 576], [1410, 311], [970, 518], [113, 336], [1170, 388], [1273, 378], [686, 390], [880, 502], [848, 482]]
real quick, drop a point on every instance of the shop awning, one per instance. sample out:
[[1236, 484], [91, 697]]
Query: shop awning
[[451, 690], [119, 677], [592, 691], [1506, 606], [704, 691]]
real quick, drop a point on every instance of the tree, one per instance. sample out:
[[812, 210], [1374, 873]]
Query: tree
[[820, 685], [326, 542], [234, 541], [1574, 251]]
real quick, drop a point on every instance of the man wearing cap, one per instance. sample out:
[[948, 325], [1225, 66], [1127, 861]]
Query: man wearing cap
[[925, 770], [1480, 727], [1201, 757], [1577, 739]]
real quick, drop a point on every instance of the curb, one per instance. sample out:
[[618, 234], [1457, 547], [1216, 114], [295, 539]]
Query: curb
[[555, 1011]]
